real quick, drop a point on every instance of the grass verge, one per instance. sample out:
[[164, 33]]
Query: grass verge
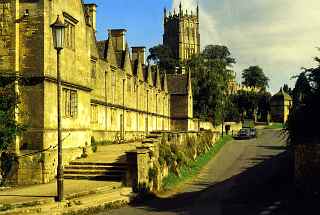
[[275, 125], [188, 172]]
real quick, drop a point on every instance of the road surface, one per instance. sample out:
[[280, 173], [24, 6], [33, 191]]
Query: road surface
[[245, 177]]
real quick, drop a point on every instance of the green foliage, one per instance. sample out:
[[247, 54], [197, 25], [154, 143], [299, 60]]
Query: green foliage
[[194, 166], [153, 174], [302, 124], [9, 127], [163, 57], [210, 80], [254, 77], [94, 144], [275, 126], [251, 104]]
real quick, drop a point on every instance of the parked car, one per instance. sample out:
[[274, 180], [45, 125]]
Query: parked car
[[244, 133]]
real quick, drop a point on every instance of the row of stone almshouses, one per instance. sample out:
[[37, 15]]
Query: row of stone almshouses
[[107, 92]]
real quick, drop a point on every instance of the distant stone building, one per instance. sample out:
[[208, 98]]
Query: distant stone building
[[280, 105], [181, 101], [107, 90], [181, 33]]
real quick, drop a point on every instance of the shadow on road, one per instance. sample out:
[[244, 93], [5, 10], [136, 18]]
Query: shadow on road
[[251, 192]]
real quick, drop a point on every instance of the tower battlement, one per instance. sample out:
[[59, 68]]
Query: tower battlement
[[181, 32]]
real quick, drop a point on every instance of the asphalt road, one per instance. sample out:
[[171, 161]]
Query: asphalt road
[[246, 177]]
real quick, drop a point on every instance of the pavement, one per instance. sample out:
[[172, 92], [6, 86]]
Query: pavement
[[45, 193], [245, 177]]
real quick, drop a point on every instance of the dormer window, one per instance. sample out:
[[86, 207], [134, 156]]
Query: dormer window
[[70, 33]]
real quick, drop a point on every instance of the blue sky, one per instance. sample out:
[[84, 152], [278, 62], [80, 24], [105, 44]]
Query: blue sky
[[280, 36], [142, 19]]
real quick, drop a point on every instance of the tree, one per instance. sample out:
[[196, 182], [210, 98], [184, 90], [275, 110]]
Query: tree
[[9, 127], [252, 104], [302, 124], [302, 89], [163, 57], [210, 80], [254, 77]]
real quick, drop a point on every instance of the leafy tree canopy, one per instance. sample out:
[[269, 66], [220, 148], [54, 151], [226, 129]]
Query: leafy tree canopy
[[211, 76], [255, 77], [163, 57], [304, 117]]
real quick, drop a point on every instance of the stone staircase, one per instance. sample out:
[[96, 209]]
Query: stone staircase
[[108, 163], [95, 171]]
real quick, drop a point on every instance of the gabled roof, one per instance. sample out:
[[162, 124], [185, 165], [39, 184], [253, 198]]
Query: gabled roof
[[164, 82], [120, 55], [156, 77], [282, 95], [101, 46], [109, 53], [177, 84], [138, 69], [126, 65], [148, 75]]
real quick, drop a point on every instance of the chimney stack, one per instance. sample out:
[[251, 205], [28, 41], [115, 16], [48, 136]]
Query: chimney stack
[[91, 10], [119, 39]]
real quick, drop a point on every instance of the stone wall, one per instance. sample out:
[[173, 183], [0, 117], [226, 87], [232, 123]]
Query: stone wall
[[307, 167], [33, 167], [148, 165]]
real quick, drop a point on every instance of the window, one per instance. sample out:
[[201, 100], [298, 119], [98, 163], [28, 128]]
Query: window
[[112, 117], [69, 35], [93, 69], [129, 85], [94, 113], [70, 99], [113, 85]]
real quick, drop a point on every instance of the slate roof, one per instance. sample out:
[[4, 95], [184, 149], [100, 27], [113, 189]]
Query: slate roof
[[177, 84]]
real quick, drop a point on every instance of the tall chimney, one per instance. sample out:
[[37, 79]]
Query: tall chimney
[[138, 53], [91, 10], [119, 39]]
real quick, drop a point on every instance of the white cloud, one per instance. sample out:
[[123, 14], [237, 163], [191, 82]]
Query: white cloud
[[280, 36]]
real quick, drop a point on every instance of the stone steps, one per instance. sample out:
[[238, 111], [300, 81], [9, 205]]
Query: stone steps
[[97, 163], [96, 167], [93, 172], [98, 177], [83, 170]]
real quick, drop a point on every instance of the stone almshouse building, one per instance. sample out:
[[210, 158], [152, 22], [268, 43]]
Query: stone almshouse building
[[107, 91]]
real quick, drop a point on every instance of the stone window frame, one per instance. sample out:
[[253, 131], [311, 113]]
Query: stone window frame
[[70, 103], [94, 114], [129, 85], [93, 64], [113, 85], [70, 31]]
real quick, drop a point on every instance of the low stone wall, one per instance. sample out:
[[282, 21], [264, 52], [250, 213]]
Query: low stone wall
[[31, 167], [116, 135], [307, 167], [150, 164]]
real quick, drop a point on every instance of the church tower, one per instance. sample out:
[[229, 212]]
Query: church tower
[[181, 33]]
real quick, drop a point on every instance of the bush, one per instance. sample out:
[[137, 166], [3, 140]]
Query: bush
[[94, 145]]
